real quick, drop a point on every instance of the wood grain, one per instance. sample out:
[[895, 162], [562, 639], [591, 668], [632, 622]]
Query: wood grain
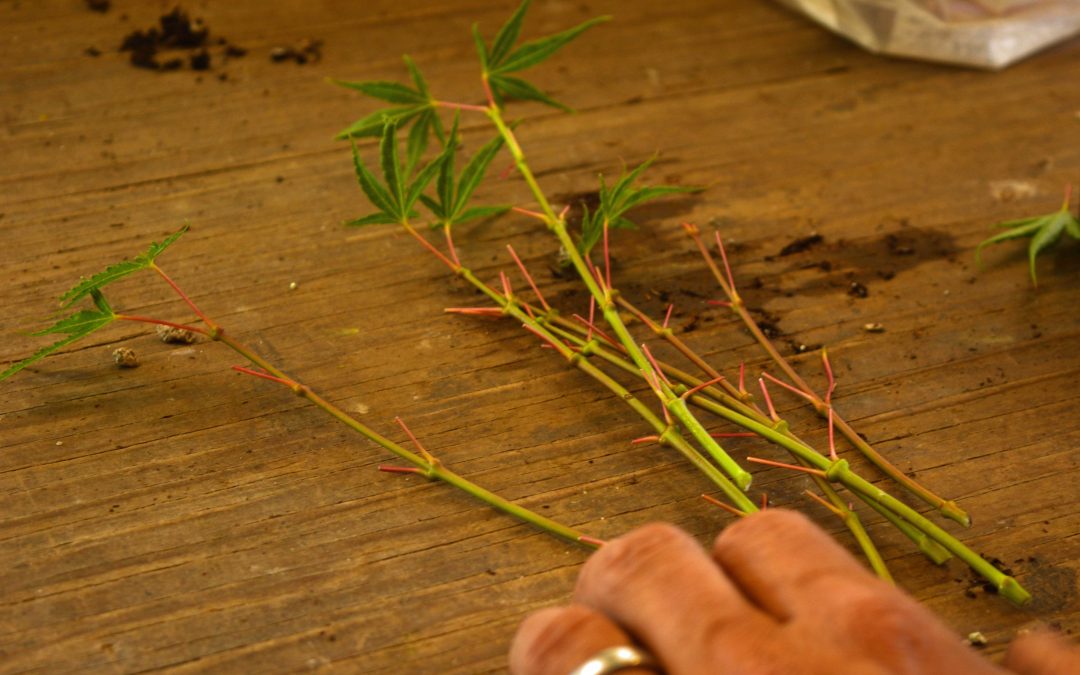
[[181, 516]]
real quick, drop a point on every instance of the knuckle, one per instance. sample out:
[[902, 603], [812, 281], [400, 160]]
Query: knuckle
[[627, 559], [747, 530], [878, 614]]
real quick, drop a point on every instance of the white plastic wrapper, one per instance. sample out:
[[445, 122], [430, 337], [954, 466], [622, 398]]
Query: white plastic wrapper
[[982, 33]]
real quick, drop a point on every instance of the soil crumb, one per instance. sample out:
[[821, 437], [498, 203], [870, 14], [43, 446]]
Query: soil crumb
[[176, 40], [304, 51], [801, 245]]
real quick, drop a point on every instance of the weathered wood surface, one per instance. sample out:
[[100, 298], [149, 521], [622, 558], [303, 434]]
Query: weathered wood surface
[[182, 516]]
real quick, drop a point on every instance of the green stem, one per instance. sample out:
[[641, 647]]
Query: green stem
[[604, 299], [850, 519], [432, 469], [839, 471], [948, 508], [666, 435]]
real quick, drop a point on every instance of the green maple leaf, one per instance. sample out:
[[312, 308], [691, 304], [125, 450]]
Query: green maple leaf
[[74, 327], [86, 321], [1044, 232], [119, 270], [502, 58], [617, 200], [411, 106], [400, 188], [454, 191]]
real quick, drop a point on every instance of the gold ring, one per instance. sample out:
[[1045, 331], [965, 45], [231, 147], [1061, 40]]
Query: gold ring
[[613, 659]]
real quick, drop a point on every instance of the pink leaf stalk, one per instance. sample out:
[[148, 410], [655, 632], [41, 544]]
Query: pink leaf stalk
[[528, 278], [768, 400], [655, 365], [727, 266], [785, 465], [423, 451], [828, 374], [730, 509], [785, 385]]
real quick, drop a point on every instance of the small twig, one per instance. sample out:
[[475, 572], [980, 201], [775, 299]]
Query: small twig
[[730, 509], [785, 465], [768, 400], [400, 469], [785, 385], [423, 451], [528, 277]]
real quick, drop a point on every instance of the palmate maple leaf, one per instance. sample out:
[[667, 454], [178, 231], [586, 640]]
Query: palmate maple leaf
[[1044, 232]]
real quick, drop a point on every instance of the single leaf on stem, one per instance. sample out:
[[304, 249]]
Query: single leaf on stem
[[1044, 231], [74, 327], [119, 270], [616, 201], [502, 58], [412, 105]]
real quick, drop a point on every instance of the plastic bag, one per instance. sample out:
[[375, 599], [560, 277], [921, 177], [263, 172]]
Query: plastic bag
[[982, 33]]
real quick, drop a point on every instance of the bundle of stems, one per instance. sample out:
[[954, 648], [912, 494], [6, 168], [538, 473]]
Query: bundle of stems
[[601, 353], [582, 342]]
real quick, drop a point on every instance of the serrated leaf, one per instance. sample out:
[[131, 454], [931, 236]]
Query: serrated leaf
[[591, 230], [417, 141], [508, 34], [433, 206], [119, 270], [1044, 231], [536, 51], [475, 212], [380, 218], [1072, 226], [444, 186], [372, 125], [417, 78], [391, 168], [653, 192], [76, 327], [474, 172], [481, 48], [628, 178], [375, 192], [422, 179], [1045, 237], [519, 89], [1015, 233], [391, 92]]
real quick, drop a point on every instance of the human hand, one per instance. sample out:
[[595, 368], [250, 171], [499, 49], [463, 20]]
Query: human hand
[[777, 595]]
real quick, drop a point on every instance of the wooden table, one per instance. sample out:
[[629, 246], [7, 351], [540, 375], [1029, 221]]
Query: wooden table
[[183, 516]]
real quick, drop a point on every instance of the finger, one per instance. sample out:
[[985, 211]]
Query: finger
[[662, 587], [784, 563], [557, 640], [1042, 653]]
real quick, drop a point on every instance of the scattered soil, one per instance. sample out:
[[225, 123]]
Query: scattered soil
[[177, 40], [831, 265], [898, 245], [801, 348], [801, 245], [858, 290], [304, 51]]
